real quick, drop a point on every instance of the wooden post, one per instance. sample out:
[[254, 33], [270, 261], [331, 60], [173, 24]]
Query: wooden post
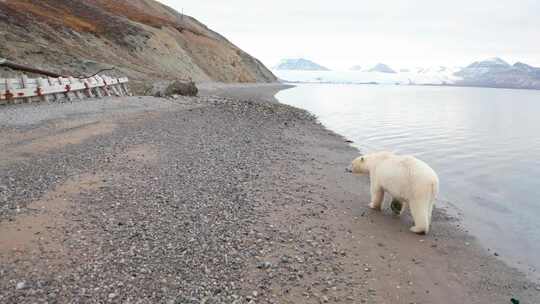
[[24, 85], [126, 88], [73, 82], [87, 90], [97, 88], [24, 89], [42, 84], [51, 82], [121, 87], [113, 86], [105, 86], [67, 88], [3, 91], [9, 91]]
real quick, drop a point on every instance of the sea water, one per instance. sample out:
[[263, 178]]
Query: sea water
[[484, 144]]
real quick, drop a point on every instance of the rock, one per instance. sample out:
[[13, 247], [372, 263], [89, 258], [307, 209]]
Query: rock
[[21, 285], [182, 88], [177, 87], [264, 265]]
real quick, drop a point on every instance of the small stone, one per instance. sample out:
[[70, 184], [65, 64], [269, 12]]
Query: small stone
[[495, 254], [112, 296], [20, 285], [264, 265], [324, 299]]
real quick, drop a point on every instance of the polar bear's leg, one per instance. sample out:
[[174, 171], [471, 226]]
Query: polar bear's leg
[[419, 212], [377, 196], [430, 212], [403, 207]]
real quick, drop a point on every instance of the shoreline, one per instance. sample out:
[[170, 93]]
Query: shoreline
[[374, 83], [241, 91], [218, 200], [511, 249]]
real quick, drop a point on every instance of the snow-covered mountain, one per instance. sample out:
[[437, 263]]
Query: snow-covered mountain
[[428, 70], [356, 68], [435, 75], [497, 73], [382, 68], [493, 72], [300, 64]]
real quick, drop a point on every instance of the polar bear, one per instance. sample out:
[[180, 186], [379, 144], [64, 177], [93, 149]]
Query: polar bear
[[406, 178]]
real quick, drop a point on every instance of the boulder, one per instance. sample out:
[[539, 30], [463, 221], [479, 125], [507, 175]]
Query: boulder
[[177, 87]]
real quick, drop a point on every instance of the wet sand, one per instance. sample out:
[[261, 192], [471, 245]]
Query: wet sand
[[255, 91], [214, 200]]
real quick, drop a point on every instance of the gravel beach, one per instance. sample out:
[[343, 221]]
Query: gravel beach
[[223, 198]]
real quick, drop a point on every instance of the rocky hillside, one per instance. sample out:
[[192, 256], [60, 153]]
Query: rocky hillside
[[144, 39]]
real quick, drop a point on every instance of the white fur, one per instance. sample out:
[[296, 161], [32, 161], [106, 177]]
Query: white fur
[[406, 179]]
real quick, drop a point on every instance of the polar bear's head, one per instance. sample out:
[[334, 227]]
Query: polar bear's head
[[359, 165], [364, 163]]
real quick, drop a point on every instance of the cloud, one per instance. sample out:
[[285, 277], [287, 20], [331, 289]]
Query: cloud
[[401, 33]]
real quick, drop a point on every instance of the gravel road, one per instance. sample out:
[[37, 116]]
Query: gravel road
[[213, 200]]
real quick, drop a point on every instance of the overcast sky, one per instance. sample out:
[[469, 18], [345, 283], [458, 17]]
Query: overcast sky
[[401, 33]]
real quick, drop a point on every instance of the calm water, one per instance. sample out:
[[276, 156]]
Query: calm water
[[484, 144]]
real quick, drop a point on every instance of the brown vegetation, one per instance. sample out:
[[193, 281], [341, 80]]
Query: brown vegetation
[[142, 38]]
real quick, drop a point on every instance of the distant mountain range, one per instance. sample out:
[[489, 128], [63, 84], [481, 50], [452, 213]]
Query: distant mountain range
[[493, 72], [498, 73], [300, 64], [382, 68]]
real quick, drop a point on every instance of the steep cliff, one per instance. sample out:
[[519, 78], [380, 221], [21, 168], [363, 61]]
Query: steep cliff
[[144, 39]]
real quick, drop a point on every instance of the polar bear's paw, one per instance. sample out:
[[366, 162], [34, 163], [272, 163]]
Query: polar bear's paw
[[418, 230], [374, 206]]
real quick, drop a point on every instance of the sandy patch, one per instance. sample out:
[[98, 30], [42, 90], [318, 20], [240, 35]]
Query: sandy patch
[[22, 144], [72, 136], [42, 230]]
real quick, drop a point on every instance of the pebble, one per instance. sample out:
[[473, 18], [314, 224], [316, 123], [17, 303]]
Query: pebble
[[264, 265], [187, 210], [20, 285]]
